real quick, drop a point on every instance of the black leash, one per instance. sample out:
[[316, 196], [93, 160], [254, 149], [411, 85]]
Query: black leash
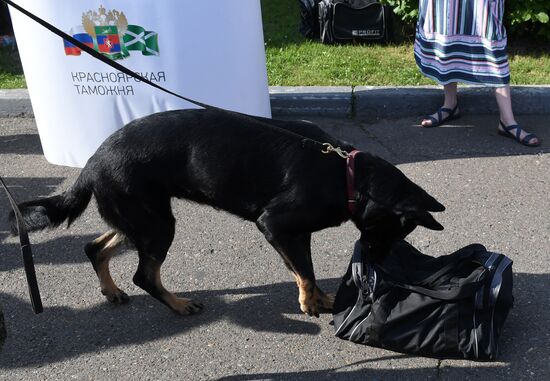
[[306, 142], [23, 236], [28, 262]]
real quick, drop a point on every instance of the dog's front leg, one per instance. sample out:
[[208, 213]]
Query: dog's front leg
[[295, 249]]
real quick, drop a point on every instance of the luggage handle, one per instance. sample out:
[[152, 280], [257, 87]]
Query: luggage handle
[[453, 292], [445, 269]]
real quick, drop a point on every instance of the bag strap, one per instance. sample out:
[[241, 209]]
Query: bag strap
[[469, 255], [453, 292], [465, 289]]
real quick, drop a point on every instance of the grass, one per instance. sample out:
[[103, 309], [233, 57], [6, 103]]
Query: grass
[[11, 72], [294, 61]]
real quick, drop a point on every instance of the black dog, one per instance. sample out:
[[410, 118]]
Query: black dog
[[260, 169]]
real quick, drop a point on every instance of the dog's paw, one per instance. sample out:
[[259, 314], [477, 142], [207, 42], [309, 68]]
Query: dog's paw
[[312, 302], [183, 306], [310, 309], [117, 297], [315, 302], [309, 305]]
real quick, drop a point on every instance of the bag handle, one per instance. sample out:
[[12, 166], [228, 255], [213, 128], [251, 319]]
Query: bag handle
[[466, 288], [453, 292], [445, 269]]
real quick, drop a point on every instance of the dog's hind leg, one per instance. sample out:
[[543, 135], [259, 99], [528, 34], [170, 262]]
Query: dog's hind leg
[[148, 278], [100, 251], [145, 219], [152, 248]]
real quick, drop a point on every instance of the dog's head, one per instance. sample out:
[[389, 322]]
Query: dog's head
[[389, 206]]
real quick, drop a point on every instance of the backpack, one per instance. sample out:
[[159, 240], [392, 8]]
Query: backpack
[[353, 21], [453, 306]]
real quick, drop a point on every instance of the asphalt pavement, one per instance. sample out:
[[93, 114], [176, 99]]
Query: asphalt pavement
[[495, 191]]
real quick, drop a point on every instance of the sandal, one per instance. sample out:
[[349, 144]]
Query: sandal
[[517, 135], [452, 114]]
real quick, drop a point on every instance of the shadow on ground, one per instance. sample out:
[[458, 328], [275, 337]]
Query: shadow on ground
[[361, 371], [60, 332], [62, 250], [22, 144], [58, 251]]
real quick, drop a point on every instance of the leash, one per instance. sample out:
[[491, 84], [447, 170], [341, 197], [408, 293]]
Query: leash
[[326, 147], [26, 252], [353, 196]]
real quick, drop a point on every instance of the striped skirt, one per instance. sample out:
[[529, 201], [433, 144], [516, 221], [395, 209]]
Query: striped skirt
[[462, 41]]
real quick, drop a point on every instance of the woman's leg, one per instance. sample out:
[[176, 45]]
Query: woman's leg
[[504, 101], [450, 92]]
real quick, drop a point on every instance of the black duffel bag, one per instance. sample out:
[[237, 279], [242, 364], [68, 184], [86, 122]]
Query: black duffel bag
[[452, 306], [353, 20]]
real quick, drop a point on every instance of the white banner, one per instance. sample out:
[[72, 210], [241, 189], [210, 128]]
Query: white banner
[[211, 51]]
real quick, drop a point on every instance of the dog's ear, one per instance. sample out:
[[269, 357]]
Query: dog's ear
[[428, 203], [420, 217], [417, 207], [389, 187], [385, 183]]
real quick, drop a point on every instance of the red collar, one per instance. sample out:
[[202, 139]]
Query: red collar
[[350, 175]]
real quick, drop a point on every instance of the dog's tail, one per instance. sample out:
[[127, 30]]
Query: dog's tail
[[52, 211]]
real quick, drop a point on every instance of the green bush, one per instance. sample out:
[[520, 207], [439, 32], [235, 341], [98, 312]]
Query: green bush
[[523, 17], [529, 17], [406, 10]]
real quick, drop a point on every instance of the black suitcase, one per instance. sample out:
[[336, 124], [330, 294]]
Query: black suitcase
[[353, 21], [453, 306]]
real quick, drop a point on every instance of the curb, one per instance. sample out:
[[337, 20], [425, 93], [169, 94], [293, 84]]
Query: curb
[[336, 101], [361, 102], [15, 103], [388, 102]]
